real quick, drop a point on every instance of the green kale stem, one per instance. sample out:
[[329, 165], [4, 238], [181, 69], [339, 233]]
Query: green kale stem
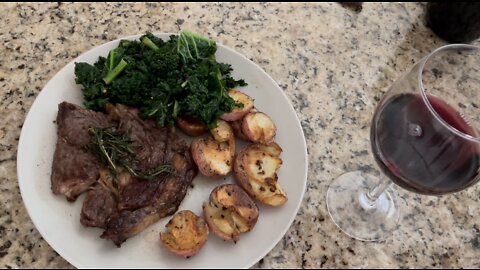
[[149, 43], [112, 74]]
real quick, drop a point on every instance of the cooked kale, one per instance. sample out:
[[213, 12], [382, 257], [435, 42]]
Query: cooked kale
[[165, 79]]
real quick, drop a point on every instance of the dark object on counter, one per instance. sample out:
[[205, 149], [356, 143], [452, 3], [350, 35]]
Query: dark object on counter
[[455, 22], [355, 6]]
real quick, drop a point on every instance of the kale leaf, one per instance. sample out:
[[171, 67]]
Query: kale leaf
[[193, 47], [165, 79]]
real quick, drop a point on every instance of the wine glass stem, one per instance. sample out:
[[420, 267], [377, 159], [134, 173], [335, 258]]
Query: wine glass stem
[[369, 199]]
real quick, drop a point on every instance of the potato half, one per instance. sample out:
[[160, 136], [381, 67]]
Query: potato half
[[258, 127], [238, 113], [237, 130], [191, 126], [186, 234], [230, 212], [213, 158], [256, 171], [223, 132]]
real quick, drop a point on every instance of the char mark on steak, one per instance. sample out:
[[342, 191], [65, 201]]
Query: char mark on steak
[[131, 222]]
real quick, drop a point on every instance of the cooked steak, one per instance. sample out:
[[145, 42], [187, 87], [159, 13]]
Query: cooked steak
[[98, 207], [146, 134], [73, 123], [131, 222], [120, 203], [143, 202], [100, 203], [74, 168], [140, 193]]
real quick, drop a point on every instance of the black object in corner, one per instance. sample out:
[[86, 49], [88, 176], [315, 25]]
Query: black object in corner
[[455, 22]]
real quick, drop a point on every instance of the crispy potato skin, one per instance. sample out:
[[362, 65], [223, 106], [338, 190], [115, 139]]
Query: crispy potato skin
[[191, 126], [213, 158], [237, 130], [272, 149], [231, 209], [186, 234], [258, 127], [256, 171], [238, 113], [233, 197], [220, 227], [230, 212], [214, 155], [223, 132]]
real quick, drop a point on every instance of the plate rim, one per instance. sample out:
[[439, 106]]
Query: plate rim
[[21, 143]]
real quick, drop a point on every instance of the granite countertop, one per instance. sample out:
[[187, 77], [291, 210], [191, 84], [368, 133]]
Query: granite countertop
[[333, 63]]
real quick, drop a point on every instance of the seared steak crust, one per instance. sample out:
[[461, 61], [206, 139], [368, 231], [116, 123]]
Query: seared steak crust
[[122, 205], [74, 168]]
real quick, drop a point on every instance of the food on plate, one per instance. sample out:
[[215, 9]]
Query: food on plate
[[123, 152], [186, 234], [230, 212], [164, 79], [191, 126], [151, 167], [74, 168], [149, 195], [256, 171], [100, 203], [223, 132], [258, 127], [238, 112], [213, 158], [237, 130]]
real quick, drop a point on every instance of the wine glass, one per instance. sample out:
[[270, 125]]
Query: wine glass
[[424, 137]]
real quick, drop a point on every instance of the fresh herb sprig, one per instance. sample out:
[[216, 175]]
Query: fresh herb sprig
[[116, 149]]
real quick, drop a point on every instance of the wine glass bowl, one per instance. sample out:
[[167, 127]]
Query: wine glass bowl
[[424, 137]]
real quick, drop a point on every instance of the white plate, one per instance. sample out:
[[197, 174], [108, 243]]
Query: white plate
[[58, 221]]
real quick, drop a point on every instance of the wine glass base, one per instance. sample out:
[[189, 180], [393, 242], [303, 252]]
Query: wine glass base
[[349, 209]]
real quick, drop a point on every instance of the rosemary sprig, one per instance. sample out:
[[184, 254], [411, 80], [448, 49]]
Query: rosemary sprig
[[110, 146], [151, 174], [115, 149]]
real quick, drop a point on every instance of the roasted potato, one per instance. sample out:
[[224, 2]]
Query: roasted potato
[[238, 113], [191, 126], [186, 234], [237, 130], [230, 212], [213, 158], [272, 149], [259, 128], [223, 132], [256, 171]]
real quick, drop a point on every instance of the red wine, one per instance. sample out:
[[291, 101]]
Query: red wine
[[418, 152]]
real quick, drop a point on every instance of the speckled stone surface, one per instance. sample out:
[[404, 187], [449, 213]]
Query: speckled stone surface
[[333, 63]]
